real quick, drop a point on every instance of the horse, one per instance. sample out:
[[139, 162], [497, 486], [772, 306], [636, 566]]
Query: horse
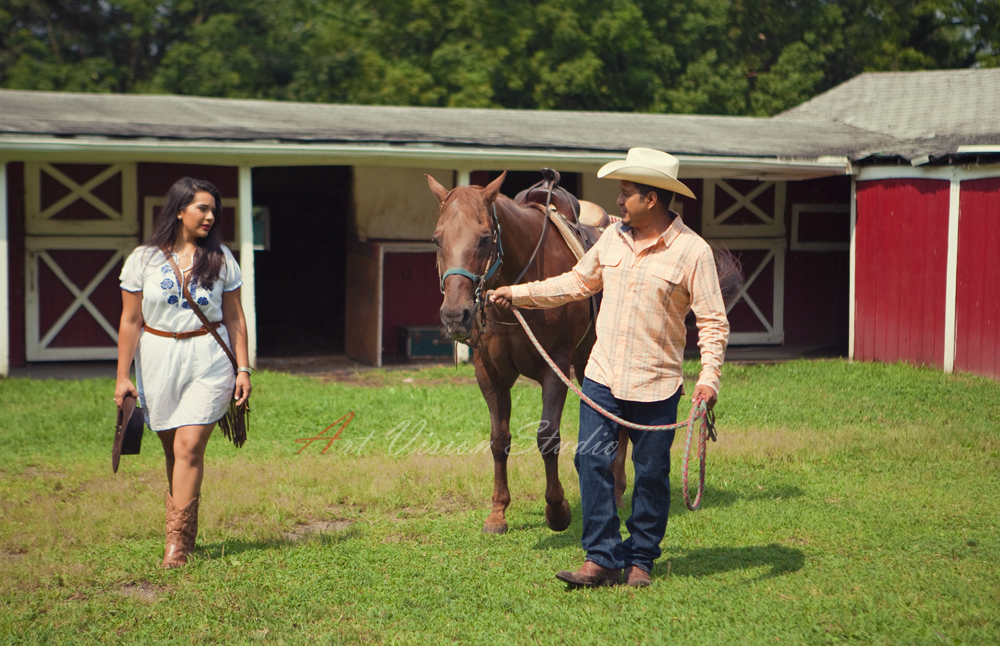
[[487, 240]]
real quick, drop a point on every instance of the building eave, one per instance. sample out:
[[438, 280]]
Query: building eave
[[282, 153]]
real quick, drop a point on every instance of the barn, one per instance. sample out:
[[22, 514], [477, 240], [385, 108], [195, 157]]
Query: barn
[[830, 206], [925, 249]]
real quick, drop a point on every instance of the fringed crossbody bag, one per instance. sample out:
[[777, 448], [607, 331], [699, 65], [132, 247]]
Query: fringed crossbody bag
[[237, 420]]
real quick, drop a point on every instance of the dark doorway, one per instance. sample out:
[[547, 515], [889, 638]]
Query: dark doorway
[[300, 276]]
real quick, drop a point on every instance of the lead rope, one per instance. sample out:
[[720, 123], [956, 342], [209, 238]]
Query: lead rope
[[698, 411]]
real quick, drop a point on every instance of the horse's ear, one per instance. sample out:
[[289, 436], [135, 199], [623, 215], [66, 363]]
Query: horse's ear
[[440, 192], [493, 189]]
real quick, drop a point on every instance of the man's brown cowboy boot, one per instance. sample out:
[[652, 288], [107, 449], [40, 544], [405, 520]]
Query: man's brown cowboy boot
[[182, 527], [636, 577], [591, 575]]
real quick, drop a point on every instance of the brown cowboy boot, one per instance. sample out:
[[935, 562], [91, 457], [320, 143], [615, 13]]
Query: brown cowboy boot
[[636, 577], [591, 575], [182, 527]]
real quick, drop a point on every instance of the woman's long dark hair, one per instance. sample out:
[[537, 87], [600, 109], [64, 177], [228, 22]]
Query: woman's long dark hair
[[209, 259]]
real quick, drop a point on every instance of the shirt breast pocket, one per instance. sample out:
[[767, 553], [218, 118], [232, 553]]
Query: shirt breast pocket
[[612, 257], [612, 268], [671, 281]]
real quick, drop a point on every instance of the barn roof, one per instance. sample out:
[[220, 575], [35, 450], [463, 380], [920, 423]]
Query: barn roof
[[924, 112], [904, 115], [191, 118]]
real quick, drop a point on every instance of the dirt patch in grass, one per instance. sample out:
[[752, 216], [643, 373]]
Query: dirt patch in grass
[[404, 537], [13, 555], [303, 530], [770, 445], [381, 380], [142, 590], [34, 472], [448, 504]]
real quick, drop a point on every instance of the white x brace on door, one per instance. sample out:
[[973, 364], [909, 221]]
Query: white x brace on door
[[762, 228], [773, 321], [38, 258], [79, 229]]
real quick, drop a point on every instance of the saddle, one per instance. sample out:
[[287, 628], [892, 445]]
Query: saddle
[[579, 222]]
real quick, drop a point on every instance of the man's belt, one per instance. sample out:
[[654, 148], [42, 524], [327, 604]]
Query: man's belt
[[202, 331]]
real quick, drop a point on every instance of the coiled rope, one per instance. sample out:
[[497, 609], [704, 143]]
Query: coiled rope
[[698, 411]]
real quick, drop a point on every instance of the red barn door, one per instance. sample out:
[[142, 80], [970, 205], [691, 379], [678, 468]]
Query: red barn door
[[81, 221], [900, 270], [977, 294]]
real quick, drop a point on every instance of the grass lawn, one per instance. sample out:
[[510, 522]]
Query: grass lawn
[[845, 503]]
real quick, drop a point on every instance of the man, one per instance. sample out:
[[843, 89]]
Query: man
[[653, 270]]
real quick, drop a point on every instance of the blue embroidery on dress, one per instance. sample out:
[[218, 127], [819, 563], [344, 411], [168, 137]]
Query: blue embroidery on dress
[[185, 305], [202, 301], [165, 269], [172, 300], [166, 284]]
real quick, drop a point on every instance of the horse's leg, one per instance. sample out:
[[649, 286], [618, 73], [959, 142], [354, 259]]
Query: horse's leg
[[557, 512], [618, 467], [497, 396]]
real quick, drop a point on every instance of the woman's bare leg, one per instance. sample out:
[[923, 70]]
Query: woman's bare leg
[[188, 450], [167, 440]]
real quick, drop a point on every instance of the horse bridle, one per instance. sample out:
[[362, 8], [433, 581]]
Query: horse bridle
[[480, 280]]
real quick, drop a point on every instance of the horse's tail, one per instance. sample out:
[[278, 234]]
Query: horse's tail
[[730, 272], [730, 278]]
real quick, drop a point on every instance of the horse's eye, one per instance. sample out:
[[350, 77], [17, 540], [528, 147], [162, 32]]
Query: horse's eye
[[485, 241], [436, 241]]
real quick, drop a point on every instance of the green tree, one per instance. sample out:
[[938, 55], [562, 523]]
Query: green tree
[[741, 57]]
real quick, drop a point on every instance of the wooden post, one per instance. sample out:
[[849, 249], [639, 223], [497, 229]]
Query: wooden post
[[462, 352], [4, 278], [852, 289], [951, 274], [245, 233]]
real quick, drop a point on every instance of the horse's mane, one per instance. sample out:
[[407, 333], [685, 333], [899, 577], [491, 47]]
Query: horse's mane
[[469, 198]]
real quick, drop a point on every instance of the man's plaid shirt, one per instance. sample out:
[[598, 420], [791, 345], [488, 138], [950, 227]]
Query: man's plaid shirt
[[640, 330]]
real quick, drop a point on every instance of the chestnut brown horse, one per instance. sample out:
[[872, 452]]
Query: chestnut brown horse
[[479, 227]]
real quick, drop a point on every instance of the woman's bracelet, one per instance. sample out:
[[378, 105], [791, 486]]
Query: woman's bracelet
[[244, 369]]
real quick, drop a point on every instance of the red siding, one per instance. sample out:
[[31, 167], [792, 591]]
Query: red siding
[[15, 237], [410, 295], [900, 270], [977, 297]]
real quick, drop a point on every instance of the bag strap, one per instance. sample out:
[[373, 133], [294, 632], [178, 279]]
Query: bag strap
[[201, 315]]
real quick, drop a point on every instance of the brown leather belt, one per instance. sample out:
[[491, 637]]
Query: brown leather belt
[[202, 331]]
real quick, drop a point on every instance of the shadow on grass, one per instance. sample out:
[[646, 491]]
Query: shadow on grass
[[230, 547], [716, 560], [712, 498], [721, 497]]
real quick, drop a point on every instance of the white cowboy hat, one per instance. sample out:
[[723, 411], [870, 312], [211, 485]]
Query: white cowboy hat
[[647, 166]]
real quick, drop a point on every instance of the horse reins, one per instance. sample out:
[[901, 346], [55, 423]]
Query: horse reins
[[698, 411]]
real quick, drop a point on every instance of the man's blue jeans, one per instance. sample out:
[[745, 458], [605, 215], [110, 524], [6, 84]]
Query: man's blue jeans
[[651, 491]]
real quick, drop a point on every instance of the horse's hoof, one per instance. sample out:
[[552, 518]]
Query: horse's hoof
[[498, 528], [558, 521]]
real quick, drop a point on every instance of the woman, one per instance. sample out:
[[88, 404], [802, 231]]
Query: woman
[[185, 382]]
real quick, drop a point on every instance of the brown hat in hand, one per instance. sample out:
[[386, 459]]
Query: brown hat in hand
[[128, 431]]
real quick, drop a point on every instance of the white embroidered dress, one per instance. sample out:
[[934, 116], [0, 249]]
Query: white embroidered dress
[[188, 381]]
